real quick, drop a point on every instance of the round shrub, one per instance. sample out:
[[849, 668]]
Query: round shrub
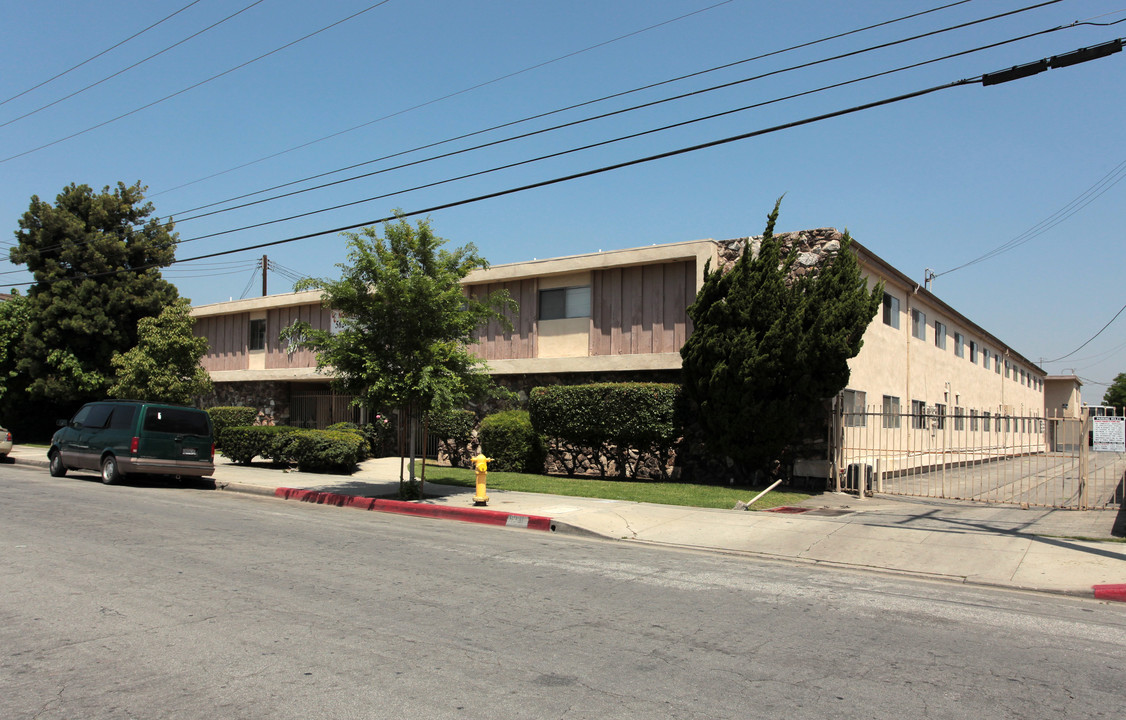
[[509, 439], [454, 431]]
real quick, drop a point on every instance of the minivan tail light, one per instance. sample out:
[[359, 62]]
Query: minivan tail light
[[212, 452], [134, 446]]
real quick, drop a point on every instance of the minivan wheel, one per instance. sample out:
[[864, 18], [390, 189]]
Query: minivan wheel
[[110, 474], [57, 467]]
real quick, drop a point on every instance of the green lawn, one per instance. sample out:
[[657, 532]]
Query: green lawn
[[665, 493]]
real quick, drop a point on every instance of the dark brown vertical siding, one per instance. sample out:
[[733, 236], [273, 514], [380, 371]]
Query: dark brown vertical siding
[[277, 352], [641, 309], [226, 341], [494, 341]]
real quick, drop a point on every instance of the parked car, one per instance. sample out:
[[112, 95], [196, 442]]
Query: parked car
[[5, 443], [127, 437]]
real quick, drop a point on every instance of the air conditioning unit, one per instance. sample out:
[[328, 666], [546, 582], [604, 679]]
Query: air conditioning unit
[[858, 473]]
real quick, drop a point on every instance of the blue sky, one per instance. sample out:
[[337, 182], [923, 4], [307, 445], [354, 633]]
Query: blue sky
[[931, 182]]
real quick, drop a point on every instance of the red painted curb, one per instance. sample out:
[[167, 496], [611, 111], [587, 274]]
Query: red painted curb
[[403, 507], [1110, 592]]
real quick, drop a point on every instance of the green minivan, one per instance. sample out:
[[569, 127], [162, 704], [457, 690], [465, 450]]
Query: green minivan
[[130, 437]]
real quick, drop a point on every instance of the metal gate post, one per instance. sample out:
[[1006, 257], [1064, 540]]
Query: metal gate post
[[1084, 459]]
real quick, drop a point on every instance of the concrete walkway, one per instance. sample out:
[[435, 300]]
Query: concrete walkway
[[980, 544]]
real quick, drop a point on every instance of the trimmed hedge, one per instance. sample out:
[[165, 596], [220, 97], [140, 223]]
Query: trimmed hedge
[[243, 444], [607, 420], [311, 450], [326, 450], [508, 438], [225, 417]]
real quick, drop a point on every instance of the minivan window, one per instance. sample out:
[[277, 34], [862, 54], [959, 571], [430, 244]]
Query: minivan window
[[122, 418], [176, 420], [97, 416]]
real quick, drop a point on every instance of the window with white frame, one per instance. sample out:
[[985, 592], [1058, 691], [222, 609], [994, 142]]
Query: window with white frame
[[939, 335], [257, 339], [918, 414], [959, 418], [853, 409], [891, 311], [940, 416], [561, 303], [919, 324], [891, 411]]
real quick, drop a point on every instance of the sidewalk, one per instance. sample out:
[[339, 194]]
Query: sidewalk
[[978, 544]]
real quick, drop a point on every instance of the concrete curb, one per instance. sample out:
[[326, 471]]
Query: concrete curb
[[403, 507]]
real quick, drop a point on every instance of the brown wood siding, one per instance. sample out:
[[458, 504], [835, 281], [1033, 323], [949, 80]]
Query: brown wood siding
[[277, 355], [642, 309], [226, 341], [496, 343]]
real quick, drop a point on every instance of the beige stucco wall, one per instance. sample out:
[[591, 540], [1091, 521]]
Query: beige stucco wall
[[894, 362], [565, 337], [1062, 396]]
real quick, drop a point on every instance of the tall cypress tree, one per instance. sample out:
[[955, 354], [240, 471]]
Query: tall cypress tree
[[765, 349], [96, 260]]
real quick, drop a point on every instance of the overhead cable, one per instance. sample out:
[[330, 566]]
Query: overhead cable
[[194, 86], [95, 57], [540, 115]]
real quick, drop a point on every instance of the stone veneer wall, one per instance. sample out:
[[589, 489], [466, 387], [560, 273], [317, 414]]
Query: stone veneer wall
[[813, 247], [270, 398]]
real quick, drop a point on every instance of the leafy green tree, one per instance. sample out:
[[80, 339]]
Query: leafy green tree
[[164, 365], [14, 319], [406, 323], [767, 349], [96, 260], [1115, 395]]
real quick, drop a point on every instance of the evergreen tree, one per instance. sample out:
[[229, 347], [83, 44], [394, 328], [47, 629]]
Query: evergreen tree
[[765, 350], [1115, 395], [83, 307], [164, 366]]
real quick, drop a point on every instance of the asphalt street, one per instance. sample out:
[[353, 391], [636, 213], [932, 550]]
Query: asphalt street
[[155, 601]]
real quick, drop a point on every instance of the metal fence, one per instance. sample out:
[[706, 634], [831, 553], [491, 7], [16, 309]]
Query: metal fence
[[995, 455]]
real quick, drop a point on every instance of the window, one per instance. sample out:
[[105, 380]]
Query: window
[[1008, 424], [891, 411], [853, 409], [985, 420], [997, 364], [258, 334], [891, 311], [559, 303], [918, 414], [1023, 377], [973, 352], [959, 345], [180, 421], [123, 417], [940, 416], [998, 421], [985, 358], [919, 324], [1007, 368], [939, 335], [959, 418], [973, 420]]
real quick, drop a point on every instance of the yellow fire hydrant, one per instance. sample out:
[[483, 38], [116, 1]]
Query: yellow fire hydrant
[[481, 463]]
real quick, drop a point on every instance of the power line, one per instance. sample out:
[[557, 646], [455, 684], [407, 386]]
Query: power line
[[1105, 183], [192, 87], [596, 144], [626, 110], [604, 142], [445, 97], [567, 178], [127, 69], [95, 57], [1100, 332]]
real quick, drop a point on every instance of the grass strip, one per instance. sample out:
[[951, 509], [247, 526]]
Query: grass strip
[[664, 493]]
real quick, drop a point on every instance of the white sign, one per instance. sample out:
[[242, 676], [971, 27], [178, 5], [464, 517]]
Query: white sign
[[1109, 434], [336, 323]]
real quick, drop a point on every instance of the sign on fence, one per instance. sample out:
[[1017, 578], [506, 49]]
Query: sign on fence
[[1109, 434]]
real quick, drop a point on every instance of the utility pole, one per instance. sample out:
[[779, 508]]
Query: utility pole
[[928, 275], [265, 265]]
